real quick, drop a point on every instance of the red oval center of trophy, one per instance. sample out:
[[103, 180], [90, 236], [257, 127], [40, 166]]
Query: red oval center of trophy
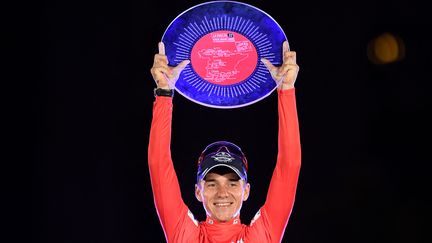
[[224, 57]]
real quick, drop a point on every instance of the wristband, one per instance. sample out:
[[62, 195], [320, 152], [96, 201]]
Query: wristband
[[163, 92]]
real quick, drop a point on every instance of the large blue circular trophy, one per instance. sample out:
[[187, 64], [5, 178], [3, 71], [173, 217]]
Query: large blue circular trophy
[[224, 40]]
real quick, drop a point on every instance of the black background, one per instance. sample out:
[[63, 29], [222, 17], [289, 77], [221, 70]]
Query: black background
[[364, 127]]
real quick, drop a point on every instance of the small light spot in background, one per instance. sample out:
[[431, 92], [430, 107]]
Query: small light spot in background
[[386, 48]]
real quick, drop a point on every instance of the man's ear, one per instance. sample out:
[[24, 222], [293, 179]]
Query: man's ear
[[198, 192], [246, 192]]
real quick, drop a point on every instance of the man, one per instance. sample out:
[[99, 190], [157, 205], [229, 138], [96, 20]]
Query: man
[[222, 168]]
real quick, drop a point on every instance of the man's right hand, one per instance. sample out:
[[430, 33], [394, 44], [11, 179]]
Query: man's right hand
[[164, 75]]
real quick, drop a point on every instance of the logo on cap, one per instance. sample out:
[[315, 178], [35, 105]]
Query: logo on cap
[[223, 157]]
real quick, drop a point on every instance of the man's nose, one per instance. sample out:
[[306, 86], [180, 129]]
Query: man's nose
[[222, 191]]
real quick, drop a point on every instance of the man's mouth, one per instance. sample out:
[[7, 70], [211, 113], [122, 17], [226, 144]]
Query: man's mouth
[[224, 204]]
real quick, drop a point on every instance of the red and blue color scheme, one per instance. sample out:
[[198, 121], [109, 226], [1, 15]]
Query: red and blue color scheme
[[224, 40]]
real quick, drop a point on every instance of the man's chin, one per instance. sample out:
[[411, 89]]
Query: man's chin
[[222, 215]]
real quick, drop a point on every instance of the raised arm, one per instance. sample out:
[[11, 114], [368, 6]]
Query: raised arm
[[166, 190], [281, 193]]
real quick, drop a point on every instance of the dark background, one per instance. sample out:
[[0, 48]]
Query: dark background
[[364, 127]]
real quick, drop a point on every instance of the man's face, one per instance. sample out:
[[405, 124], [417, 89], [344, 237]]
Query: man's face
[[222, 195]]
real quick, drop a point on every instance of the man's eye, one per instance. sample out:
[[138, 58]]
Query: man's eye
[[233, 184], [210, 185]]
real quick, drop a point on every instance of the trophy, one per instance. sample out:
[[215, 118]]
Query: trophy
[[224, 40]]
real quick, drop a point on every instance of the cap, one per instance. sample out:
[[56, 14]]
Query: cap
[[222, 153]]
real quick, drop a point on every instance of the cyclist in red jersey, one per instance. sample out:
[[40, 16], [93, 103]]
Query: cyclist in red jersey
[[222, 184]]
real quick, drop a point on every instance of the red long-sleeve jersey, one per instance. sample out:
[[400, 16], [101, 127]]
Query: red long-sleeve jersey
[[270, 221]]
